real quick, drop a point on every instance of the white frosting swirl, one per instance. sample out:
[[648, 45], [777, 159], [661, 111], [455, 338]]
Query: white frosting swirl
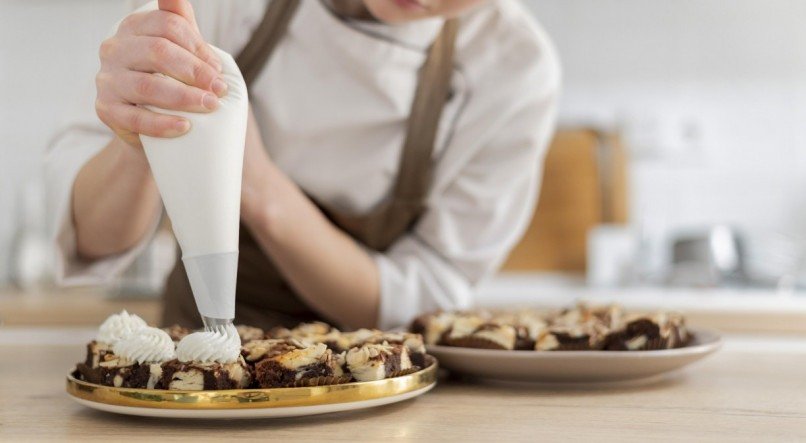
[[152, 345], [210, 346], [119, 326]]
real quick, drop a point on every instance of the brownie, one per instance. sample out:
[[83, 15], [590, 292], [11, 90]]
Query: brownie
[[607, 317], [378, 361], [347, 340], [103, 367], [194, 376], [639, 333], [523, 338], [257, 350], [301, 330], [414, 344], [563, 341], [575, 338], [145, 376], [249, 333], [310, 333], [97, 353], [461, 329], [433, 327], [285, 364], [528, 329], [488, 336]]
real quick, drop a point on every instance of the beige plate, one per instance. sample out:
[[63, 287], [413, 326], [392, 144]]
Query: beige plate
[[252, 403], [574, 366]]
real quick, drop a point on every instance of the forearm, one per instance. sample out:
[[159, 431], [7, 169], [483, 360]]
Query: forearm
[[332, 273], [114, 201]]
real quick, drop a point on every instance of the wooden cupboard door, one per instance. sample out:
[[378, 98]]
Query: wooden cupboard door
[[584, 184]]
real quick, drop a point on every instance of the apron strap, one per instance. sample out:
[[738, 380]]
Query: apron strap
[[433, 88], [398, 214], [394, 216], [264, 40]]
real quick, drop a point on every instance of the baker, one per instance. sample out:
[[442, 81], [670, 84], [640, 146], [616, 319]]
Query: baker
[[392, 159]]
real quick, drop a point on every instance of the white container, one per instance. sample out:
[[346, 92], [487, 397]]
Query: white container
[[612, 250]]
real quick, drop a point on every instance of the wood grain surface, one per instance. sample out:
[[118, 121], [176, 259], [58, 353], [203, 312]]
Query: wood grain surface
[[752, 390], [83, 306]]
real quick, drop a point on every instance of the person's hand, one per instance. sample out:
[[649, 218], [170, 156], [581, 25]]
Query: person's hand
[[166, 41]]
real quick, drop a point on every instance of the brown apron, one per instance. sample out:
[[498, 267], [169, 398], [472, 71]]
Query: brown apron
[[263, 297]]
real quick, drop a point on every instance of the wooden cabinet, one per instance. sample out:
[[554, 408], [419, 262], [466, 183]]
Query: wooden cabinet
[[584, 184]]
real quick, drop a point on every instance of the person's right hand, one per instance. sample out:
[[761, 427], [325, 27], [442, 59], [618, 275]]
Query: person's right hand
[[166, 41]]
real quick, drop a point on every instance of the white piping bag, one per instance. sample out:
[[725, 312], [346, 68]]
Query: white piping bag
[[199, 177]]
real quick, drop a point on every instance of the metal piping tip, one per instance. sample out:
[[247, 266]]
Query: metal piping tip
[[216, 324]]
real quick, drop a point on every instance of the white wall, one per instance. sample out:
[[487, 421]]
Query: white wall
[[711, 92], [48, 58]]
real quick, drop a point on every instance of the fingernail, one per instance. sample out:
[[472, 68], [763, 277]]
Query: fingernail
[[219, 87], [210, 101], [182, 126]]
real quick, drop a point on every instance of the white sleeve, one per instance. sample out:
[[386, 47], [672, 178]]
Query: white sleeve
[[65, 157], [470, 227], [69, 150]]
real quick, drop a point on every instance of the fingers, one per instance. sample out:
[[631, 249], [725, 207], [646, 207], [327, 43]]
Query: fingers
[[174, 28], [157, 58], [126, 119], [180, 7], [155, 54], [161, 91]]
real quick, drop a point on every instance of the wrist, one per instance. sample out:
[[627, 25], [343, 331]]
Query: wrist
[[259, 212], [131, 160]]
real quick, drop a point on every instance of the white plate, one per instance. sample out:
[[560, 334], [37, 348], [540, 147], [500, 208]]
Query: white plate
[[574, 366], [293, 411]]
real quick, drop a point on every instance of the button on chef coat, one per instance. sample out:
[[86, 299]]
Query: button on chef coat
[[332, 106]]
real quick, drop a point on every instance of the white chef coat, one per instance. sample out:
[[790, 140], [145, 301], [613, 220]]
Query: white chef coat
[[332, 105]]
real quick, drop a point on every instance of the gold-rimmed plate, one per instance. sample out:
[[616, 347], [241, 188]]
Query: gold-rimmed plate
[[575, 366], [252, 403]]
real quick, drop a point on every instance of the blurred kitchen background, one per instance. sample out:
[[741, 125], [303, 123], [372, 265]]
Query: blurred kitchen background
[[676, 175]]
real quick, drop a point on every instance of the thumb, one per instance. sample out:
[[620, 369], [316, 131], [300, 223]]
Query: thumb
[[180, 7]]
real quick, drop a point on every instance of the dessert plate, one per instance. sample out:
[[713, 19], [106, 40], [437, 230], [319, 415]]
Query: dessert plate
[[575, 366], [252, 403]]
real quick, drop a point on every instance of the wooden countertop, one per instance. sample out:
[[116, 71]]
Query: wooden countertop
[[80, 306], [751, 390]]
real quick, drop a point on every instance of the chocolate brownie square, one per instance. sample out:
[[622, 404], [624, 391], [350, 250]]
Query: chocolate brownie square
[[287, 365], [196, 376], [378, 361]]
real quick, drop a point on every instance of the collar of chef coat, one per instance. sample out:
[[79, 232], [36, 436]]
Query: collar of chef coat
[[418, 34]]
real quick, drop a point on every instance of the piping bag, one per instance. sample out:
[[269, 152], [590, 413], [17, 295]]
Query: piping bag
[[199, 178]]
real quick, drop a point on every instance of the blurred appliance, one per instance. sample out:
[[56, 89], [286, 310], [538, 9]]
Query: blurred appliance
[[712, 257], [612, 254], [584, 185], [775, 258], [32, 253]]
